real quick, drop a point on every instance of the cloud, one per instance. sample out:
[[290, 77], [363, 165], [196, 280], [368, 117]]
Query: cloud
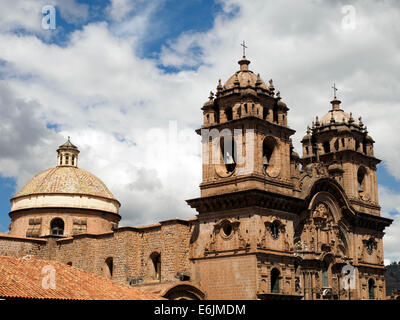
[[23, 137], [112, 102]]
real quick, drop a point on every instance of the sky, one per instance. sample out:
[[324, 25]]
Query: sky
[[126, 80]]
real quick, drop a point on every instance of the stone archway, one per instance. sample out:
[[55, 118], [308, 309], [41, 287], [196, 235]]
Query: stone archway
[[184, 292]]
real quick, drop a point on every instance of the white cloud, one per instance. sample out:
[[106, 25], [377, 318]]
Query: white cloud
[[108, 99]]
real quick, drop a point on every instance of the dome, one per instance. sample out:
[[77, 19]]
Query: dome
[[336, 114], [65, 186], [245, 77], [70, 180]]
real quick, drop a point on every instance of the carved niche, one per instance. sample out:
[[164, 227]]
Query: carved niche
[[226, 234]]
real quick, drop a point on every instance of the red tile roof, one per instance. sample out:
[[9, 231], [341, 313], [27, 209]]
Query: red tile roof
[[22, 278]]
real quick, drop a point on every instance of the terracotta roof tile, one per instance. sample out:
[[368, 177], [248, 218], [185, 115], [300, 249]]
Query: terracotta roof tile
[[22, 278]]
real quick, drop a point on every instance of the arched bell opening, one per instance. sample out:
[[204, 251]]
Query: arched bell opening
[[228, 152], [361, 179], [270, 157]]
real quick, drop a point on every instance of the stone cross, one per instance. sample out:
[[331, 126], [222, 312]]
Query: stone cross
[[244, 48], [334, 90]]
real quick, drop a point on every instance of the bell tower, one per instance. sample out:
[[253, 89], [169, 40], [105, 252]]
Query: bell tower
[[344, 146], [245, 137]]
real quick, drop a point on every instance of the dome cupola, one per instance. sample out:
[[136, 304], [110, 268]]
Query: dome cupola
[[67, 154]]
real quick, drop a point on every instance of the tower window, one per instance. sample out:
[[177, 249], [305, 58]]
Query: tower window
[[156, 261], [268, 150], [327, 147], [371, 289], [228, 113], [325, 282], [57, 227], [275, 280], [370, 246], [73, 160], [228, 154], [275, 114], [227, 228], [274, 229], [343, 142], [108, 268], [245, 108], [216, 114], [361, 173], [66, 159], [336, 145]]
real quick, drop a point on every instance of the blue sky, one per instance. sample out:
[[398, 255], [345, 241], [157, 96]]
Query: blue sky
[[113, 72]]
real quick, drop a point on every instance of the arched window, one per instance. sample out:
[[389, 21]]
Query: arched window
[[274, 229], [325, 282], [361, 179], [275, 114], [336, 145], [371, 289], [66, 159], [108, 268], [69, 263], [73, 160], [275, 280], [228, 112], [327, 147], [57, 227], [216, 114], [156, 261], [229, 156]]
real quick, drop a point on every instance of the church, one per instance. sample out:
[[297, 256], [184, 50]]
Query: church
[[269, 224]]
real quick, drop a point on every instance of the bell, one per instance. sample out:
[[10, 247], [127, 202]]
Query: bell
[[229, 159], [265, 161], [360, 189]]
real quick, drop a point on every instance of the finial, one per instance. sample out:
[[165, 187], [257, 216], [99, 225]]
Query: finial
[[278, 95], [351, 120], [360, 123], [316, 121], [271, 86], [258, 82], [211, 97], [313, 125], [308, 130]]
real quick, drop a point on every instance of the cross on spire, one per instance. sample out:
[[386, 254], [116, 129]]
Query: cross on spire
[[244, 48], [334, 90]]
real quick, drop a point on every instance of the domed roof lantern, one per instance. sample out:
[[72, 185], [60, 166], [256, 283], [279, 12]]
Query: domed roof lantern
[[67, 154]]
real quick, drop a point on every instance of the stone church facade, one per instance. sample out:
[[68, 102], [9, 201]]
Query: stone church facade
[[269, 225]]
